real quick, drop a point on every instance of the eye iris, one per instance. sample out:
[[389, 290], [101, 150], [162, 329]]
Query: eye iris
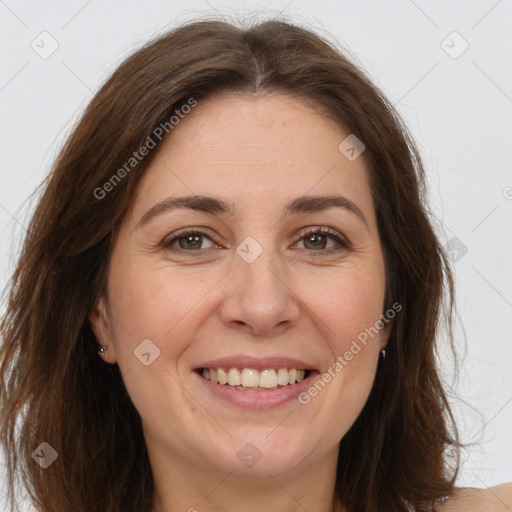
[[314, 239], [193, 241], [188, 239]]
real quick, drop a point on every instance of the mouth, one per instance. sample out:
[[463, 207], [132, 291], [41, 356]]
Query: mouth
[[251, 379], [249, 382]]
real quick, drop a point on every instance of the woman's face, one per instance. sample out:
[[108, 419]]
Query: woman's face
[[247, 289]]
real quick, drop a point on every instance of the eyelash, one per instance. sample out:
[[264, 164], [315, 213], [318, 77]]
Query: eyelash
[[343, 243]]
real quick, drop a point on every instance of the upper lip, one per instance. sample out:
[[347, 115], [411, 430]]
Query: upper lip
[[258, 363]]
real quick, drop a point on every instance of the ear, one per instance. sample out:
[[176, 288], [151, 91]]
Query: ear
[[100, 325], [384, 334]]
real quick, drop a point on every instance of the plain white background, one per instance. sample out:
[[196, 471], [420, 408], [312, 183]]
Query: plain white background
[[457, 102]]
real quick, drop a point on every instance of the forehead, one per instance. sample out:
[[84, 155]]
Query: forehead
[[275, 147]]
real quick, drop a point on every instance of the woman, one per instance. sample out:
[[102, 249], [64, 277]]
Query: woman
[[237, 227]]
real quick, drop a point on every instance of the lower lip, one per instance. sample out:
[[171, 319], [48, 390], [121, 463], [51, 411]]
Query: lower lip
[[258, 399]]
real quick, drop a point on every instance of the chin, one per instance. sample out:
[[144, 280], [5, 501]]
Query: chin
[[258, 453]]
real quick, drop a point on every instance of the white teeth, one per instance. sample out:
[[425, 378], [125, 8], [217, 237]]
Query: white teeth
[[282, 376], [251, 378], [268, 379], [222, 376], [234, 377]]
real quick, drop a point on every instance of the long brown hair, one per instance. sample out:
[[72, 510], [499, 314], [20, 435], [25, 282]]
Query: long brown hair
[[62, 393]]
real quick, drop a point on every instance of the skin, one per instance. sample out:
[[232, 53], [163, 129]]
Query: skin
[[469, 499], [295, 300]]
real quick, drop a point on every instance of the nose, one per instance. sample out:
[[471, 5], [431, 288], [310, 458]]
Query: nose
[[258, 299]]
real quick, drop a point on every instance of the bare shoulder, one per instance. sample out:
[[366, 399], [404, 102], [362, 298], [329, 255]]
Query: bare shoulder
[[469, 499]]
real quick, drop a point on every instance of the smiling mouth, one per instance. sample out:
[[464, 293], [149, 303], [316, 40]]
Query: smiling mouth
[[250, 379]]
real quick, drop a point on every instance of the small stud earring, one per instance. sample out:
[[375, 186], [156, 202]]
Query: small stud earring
[[101, 351], [383, 353]]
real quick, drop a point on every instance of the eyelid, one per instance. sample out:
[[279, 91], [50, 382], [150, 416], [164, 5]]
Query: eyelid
[[341, 240], [199, 230], [324, 230]]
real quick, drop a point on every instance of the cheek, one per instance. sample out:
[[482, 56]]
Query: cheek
[[155, 304], [347, 310], [348, 305]]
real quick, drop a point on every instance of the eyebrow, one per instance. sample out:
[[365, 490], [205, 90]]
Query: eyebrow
[[217, 206]]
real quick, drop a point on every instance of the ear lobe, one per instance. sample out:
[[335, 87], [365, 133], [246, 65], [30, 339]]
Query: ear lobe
[[100, 326], [384, 334]]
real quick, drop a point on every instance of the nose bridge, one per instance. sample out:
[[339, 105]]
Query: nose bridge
[[260, 281], [258, 297], [262, 276]]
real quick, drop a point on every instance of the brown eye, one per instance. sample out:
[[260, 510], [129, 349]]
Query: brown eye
[[317, 239], [191, 240]]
